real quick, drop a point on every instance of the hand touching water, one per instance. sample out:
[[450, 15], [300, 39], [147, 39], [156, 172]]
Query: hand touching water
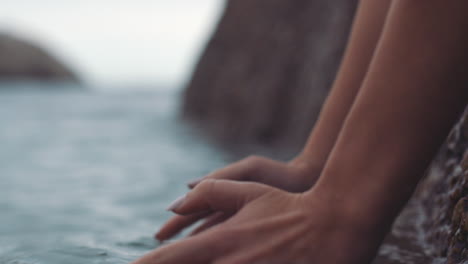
[[389, 137], [294, 176], [270, 226]]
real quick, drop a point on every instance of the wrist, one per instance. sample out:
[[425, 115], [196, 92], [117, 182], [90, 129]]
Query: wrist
[[359, 215], [307, 164], [352, 219], [365, 199], [371, 171], [308, 169]]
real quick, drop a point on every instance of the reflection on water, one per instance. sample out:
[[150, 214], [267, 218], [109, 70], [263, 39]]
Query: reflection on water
[[85, 176]]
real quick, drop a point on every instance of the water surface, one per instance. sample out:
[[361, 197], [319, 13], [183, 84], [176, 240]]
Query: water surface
[[85, 176]]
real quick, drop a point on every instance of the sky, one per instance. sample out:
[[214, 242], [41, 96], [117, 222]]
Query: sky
[[117, 42]]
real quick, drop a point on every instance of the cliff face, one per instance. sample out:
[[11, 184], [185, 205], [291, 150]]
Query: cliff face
[[22, 60], [263, 78], [267, 69]]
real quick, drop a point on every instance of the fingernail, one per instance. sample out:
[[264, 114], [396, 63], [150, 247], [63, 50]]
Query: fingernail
[[176, 204], [195, 182]]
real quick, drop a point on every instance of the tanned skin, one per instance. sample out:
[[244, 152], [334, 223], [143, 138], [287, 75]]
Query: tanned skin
[[413, 90]]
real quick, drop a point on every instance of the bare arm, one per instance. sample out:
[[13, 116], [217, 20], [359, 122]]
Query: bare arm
[[301, 173], [415, 89], [366, 31]]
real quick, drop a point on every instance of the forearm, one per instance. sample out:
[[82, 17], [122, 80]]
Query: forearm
[[414, 91], [364, 36]]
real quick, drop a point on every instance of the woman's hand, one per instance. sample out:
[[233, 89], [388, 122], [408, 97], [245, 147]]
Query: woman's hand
[[270, 226], [295, 176]]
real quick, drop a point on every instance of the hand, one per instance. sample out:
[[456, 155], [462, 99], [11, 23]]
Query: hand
[[295, 176], [270, 226]]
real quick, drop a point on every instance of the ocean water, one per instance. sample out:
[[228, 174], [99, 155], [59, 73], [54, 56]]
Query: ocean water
[[85, 175]]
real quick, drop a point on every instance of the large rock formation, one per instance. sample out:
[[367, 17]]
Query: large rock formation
[[433, 228], [267, 69], [263, 78], [444, 197], [22, 60]]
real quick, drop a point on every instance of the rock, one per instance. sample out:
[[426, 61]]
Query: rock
[[443, 196], [267, 69], [21, 60], [263, 78], [433, 228]]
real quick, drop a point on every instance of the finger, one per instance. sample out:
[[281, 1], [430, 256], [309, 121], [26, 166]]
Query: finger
[[196, 250], [218, 195], [244, 170], [210, 222], [178, 223]]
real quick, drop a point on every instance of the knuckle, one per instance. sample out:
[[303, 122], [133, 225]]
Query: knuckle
[[255, 162], [257, 167], [207, 186], [254, 159]]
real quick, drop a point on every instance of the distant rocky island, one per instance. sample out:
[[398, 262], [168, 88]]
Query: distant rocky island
[[22, 60]]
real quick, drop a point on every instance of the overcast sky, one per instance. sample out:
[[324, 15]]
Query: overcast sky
[[117, 41]]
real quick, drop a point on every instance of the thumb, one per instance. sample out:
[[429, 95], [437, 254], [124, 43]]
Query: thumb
[[218, 195]]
